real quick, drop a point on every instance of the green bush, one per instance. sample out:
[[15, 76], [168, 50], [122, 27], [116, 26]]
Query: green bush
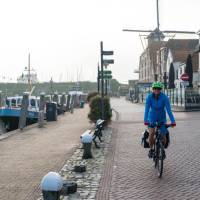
[[95, 109], [91, 95]]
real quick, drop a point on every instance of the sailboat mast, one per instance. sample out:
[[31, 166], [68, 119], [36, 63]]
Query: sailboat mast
[[29, 72], [158, 24]]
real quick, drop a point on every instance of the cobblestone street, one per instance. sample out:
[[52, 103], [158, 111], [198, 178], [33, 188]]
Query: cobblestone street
[[130, 174], [126, 173], [27, 156]]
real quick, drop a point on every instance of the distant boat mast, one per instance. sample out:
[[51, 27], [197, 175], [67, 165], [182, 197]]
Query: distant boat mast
[[29, 72]]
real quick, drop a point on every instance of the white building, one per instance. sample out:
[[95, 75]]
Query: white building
[[176, 52], [24, 78]]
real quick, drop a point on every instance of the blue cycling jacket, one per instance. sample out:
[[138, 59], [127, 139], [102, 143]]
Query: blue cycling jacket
[[155, 109]]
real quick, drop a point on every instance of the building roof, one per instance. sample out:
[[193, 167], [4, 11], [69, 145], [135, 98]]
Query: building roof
[[181, 48]]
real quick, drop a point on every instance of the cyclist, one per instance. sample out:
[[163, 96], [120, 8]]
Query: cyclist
[[156, 104]]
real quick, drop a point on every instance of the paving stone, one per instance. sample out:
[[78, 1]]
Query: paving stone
[[88, 181], [128, 172], [28, 155]]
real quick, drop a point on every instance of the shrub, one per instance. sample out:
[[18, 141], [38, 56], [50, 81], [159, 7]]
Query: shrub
[[95, 109], [90, 95]]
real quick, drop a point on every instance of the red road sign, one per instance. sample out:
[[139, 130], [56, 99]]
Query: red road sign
[[184, 77]]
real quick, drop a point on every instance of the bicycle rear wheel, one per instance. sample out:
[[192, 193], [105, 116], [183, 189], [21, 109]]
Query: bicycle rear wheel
[[159, 159]]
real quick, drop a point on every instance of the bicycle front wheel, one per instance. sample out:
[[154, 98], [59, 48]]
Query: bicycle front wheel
[[160, 158]]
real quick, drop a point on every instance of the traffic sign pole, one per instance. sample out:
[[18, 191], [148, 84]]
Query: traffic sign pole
[[106, 92], [107, 75], [98, 78], [102, 82]]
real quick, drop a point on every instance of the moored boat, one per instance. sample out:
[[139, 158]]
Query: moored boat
[[10, 112]]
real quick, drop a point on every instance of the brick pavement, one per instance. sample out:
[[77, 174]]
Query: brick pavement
[[27, 156], [129, 174]]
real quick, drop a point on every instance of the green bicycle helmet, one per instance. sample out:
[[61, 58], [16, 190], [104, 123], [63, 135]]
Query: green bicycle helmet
[[157, 84]]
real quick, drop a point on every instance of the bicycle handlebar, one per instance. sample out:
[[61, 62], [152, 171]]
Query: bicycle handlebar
[[166, 125]]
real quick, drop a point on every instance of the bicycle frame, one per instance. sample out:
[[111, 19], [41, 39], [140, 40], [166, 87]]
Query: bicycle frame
[[158, 157]]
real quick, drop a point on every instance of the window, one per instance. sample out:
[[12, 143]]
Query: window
[[7, 102], [32, 102], [38, 102], [19, 102], [13, 102]]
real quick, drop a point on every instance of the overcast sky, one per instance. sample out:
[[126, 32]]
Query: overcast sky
[[63, 36]]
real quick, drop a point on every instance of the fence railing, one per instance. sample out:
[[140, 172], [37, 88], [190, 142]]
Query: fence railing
[[187, 98]]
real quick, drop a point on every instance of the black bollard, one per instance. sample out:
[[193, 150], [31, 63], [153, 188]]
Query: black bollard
[[51, 195], [68, 188], [63, 103], [68, 102], [87, 153], [86, 139]]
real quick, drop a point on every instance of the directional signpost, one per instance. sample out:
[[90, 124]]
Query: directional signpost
[[107, 62], [104, 75], [108, 53]]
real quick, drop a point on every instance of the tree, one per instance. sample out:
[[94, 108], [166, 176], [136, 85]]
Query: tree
[[96, 111], [189, 70], [171, 77]]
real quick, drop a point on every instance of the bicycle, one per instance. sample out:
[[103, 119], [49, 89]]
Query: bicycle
[[159, 152]]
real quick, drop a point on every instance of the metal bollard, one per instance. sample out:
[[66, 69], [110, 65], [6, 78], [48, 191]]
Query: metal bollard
[[72, 103], [42, 101], [68, 102], [41, 110], [51, 186], [63, 103], [1, 99], [24, 110], [40, 119], [55, 97], [86, 139]]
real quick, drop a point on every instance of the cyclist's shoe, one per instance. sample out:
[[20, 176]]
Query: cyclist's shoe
[[151, 153]]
